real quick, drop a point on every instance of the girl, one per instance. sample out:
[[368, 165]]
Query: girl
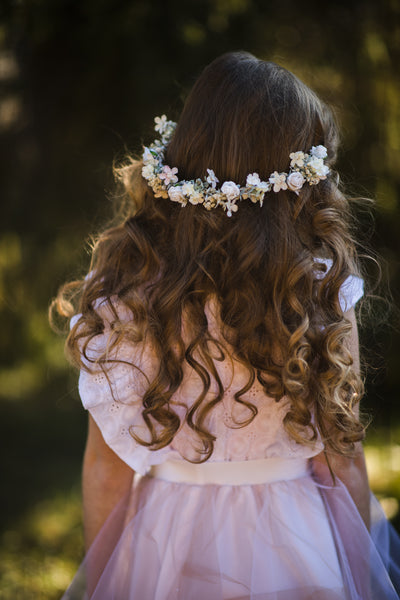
[[219, 362]]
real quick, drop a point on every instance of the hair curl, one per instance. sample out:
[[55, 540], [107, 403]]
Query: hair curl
[[164, 263]]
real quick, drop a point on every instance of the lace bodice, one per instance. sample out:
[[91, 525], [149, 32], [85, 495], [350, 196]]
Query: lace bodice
[[115, 402]]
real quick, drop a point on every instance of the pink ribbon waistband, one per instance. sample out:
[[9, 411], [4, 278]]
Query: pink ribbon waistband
[[249, 472]]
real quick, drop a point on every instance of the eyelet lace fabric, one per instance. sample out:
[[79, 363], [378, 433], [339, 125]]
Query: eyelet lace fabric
[[115, 402]]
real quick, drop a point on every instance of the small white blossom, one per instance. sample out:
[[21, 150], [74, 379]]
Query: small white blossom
[[319, 151], [317, 165], [148, 172], [212, 178], [168, 175], [188, 188], [231, 190], [297, 159], [160, 124], [295, 181], [278, 180], [149, 158], [253, 179]]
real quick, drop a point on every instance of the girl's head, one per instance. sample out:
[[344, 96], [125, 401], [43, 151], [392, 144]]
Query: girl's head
[[277, 316], [244, 115]]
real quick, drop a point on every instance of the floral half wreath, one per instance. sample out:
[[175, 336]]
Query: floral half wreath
[[304, 168]]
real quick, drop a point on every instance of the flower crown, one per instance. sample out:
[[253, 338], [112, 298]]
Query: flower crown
[[304, 168]]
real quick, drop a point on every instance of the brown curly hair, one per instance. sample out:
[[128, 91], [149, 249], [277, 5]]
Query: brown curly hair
[[277, 317]]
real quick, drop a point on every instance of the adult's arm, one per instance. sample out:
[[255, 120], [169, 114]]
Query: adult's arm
[[105, 480], [351, 471]]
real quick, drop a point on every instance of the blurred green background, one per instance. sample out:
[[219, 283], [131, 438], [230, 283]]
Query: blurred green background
[[80, 83]]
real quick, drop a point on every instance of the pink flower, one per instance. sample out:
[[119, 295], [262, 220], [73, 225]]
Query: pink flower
[[295, 181], [168, 175]]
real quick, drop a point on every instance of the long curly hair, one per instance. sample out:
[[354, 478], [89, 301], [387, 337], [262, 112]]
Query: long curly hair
[[279, 311]]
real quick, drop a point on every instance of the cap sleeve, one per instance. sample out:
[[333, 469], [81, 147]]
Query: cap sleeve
[[351, 291], [114, 397]]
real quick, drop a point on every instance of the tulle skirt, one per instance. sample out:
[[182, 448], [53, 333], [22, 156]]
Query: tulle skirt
[[292, 539]]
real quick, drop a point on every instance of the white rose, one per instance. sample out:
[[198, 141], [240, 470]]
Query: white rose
[[231, 190], [317, 165], [253, 179], [175, 194], [295, 181], [319, 151]]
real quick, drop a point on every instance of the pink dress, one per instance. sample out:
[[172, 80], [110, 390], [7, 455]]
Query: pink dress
[[251, 523]]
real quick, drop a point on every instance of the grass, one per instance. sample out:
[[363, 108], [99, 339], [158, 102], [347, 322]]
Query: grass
[[40, 555]]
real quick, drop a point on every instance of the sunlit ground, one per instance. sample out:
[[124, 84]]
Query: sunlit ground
[[41, 553]]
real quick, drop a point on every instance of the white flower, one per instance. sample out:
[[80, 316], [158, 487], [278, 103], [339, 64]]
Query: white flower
[[176, 195], [295, 181], [319, 151], [161, 124], [231, 190], [297, 159], [317, 165], [212, 178], [188, 188], [278, 180], [253, 179], [323, 172], [148, 172], [149, 158], [168, 175]]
